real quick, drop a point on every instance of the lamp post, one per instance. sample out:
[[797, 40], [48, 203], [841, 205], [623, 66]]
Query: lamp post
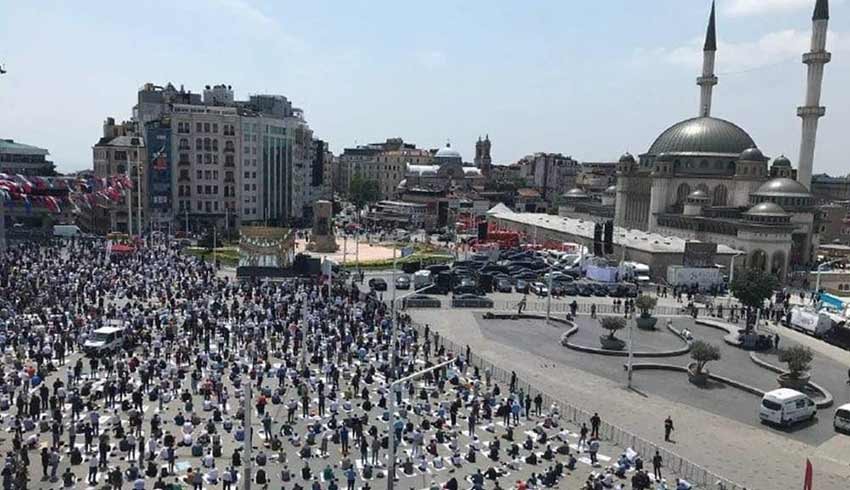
[[390, 431], [817, 277], [732, 274]]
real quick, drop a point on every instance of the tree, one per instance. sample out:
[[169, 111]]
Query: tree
[[702, 352], [752, 288], [797, 358], [645, 303], [612, 324], [363, 191]]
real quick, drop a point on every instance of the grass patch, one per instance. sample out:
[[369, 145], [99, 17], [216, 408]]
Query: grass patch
[[225, 255], [427, 259]]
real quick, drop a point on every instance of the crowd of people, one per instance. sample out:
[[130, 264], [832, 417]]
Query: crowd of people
[[288, 383]]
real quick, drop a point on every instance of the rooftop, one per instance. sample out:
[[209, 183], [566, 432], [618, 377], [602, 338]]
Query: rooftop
[[10, 146], [635, 239]]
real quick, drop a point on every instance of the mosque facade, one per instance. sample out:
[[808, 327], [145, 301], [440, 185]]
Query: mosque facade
[[705, 178]]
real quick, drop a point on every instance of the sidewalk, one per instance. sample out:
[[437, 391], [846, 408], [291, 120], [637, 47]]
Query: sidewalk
[[748, 455]]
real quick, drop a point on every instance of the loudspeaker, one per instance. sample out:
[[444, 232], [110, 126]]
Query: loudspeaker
[[482, 231]]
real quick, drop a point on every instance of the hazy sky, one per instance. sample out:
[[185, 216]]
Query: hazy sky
[[590, 79]]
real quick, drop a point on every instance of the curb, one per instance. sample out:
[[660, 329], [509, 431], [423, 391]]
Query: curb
[[828, 399], [732, 331], [671, 367], [619, 353]]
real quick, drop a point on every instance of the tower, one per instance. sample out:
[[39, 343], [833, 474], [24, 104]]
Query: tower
[[812, 111], [707, 81], [482, 155]]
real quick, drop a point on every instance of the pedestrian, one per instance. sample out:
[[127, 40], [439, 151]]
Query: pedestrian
[[657, 462], [594, 425], [668, 428]]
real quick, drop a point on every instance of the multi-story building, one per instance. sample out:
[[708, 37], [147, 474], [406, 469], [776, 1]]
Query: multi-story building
[[827, 189], [550, 173], [27, 160], [121, 151], [213, 160], [383, 163]]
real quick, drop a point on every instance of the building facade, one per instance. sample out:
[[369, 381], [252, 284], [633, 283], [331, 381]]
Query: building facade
[[550, 173], [27, 160], [121, 151]]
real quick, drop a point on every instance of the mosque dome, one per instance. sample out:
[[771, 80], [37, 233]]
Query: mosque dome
[[698, 195], [782, 161], [702, 135], [782, 187], [611, 190], [627, 158], [447, 152], [752, 155], [767, 210], [575, 192]]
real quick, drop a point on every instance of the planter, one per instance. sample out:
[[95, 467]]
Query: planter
[[611, 343], [699, 379], [795, 383], [646, 322]]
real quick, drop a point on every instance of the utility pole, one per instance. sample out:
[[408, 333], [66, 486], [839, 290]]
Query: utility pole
[[246, 483], [631, 354]]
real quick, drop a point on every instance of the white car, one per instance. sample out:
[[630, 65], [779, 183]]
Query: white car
[[105, 339], [841, 420], [785, 407]]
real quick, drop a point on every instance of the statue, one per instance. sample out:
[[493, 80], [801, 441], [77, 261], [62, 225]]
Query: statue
[[322, 239]]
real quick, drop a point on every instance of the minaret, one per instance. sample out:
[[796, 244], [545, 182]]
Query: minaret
[[707, 81], [812, 111]]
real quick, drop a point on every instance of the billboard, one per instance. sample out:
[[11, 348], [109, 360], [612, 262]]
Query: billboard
[[699, 254], [158, 142]]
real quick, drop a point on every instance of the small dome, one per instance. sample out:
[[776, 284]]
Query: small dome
[[752, 155], [611, 190], [575, 192], [767, 209], [783, 187], [627, 158], [447, 152], [698, 195], [782, 161]]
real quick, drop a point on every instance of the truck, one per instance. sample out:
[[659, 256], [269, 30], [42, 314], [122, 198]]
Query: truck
[[421, 279], [66, 231], [810, 321], [703, 277]]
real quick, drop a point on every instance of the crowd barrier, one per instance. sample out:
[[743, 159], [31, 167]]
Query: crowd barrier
[[683, 468]]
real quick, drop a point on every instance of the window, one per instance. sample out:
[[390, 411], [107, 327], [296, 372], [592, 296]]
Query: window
[[207, 189], [208, 175], [200, 189], [215, 174], [200, 175], [215, 189], [208, 158], [208, 206], [215, 127], [207, 129], [199, 158], [215, 145], [200, 206], [247, 175], [247, 187], [198, 128]]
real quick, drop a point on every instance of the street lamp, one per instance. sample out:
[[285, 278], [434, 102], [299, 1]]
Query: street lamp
[[390, 431], [817, 276]]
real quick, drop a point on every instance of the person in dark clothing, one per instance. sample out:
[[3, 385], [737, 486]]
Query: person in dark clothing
[[668, 428]]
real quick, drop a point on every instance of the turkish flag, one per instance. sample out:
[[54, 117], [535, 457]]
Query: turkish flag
[[807, 482]]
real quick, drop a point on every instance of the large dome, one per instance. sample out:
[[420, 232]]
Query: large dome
[[783, 187], [702, 135], [447, 152]]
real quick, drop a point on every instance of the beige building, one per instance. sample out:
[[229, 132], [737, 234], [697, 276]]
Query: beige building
[[384, 163], [121, 151]]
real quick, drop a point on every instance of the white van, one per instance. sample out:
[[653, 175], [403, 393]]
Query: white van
[[105, 339], [841, 420], [66, 231], [785, 407]]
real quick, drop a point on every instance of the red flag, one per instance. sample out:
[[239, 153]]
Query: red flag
[[807, 483]]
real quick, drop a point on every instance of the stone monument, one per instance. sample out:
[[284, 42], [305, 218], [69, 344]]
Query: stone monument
[[322, 239]]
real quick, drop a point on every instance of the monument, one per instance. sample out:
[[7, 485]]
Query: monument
[[322, 239]]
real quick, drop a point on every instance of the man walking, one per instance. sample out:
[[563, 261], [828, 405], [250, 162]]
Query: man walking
[[594, 425], [668, 428]]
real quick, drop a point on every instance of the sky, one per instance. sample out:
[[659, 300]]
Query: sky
[[589, 79]]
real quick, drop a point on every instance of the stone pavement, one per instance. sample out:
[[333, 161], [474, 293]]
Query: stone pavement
[[750, 456]]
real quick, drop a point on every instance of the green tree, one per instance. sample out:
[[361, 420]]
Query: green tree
[[363, 191], [752, 288], [702, 352], [612, 324], [645, 303], [797, 358]]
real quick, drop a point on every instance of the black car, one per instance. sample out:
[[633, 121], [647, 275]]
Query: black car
[[471, 301], [615, 290], [420, 301], [522, 286], [584, 289], [467, 285], [503, 285], [569, 289], [600, 290], [378, 284]]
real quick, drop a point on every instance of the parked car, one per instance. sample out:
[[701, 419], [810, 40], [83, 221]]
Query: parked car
[[539, 289], [785, 406], [378, 284], [521, 286], [570, 289], [402, 282], [600, 290], [420, 301], [467, 285], [584, 289], [471, 301], [503, 285], [841, 418]]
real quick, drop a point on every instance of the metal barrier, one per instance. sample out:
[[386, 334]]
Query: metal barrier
[[683, 468]]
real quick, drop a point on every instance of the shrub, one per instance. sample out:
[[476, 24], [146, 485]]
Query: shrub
[[702, 352], [612, 324], [645, 303], [798, 358]]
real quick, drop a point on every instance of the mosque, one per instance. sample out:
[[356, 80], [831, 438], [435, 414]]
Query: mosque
[[705, 178]]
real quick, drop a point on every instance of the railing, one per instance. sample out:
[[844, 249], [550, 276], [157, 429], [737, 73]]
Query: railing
[[683, 468]]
